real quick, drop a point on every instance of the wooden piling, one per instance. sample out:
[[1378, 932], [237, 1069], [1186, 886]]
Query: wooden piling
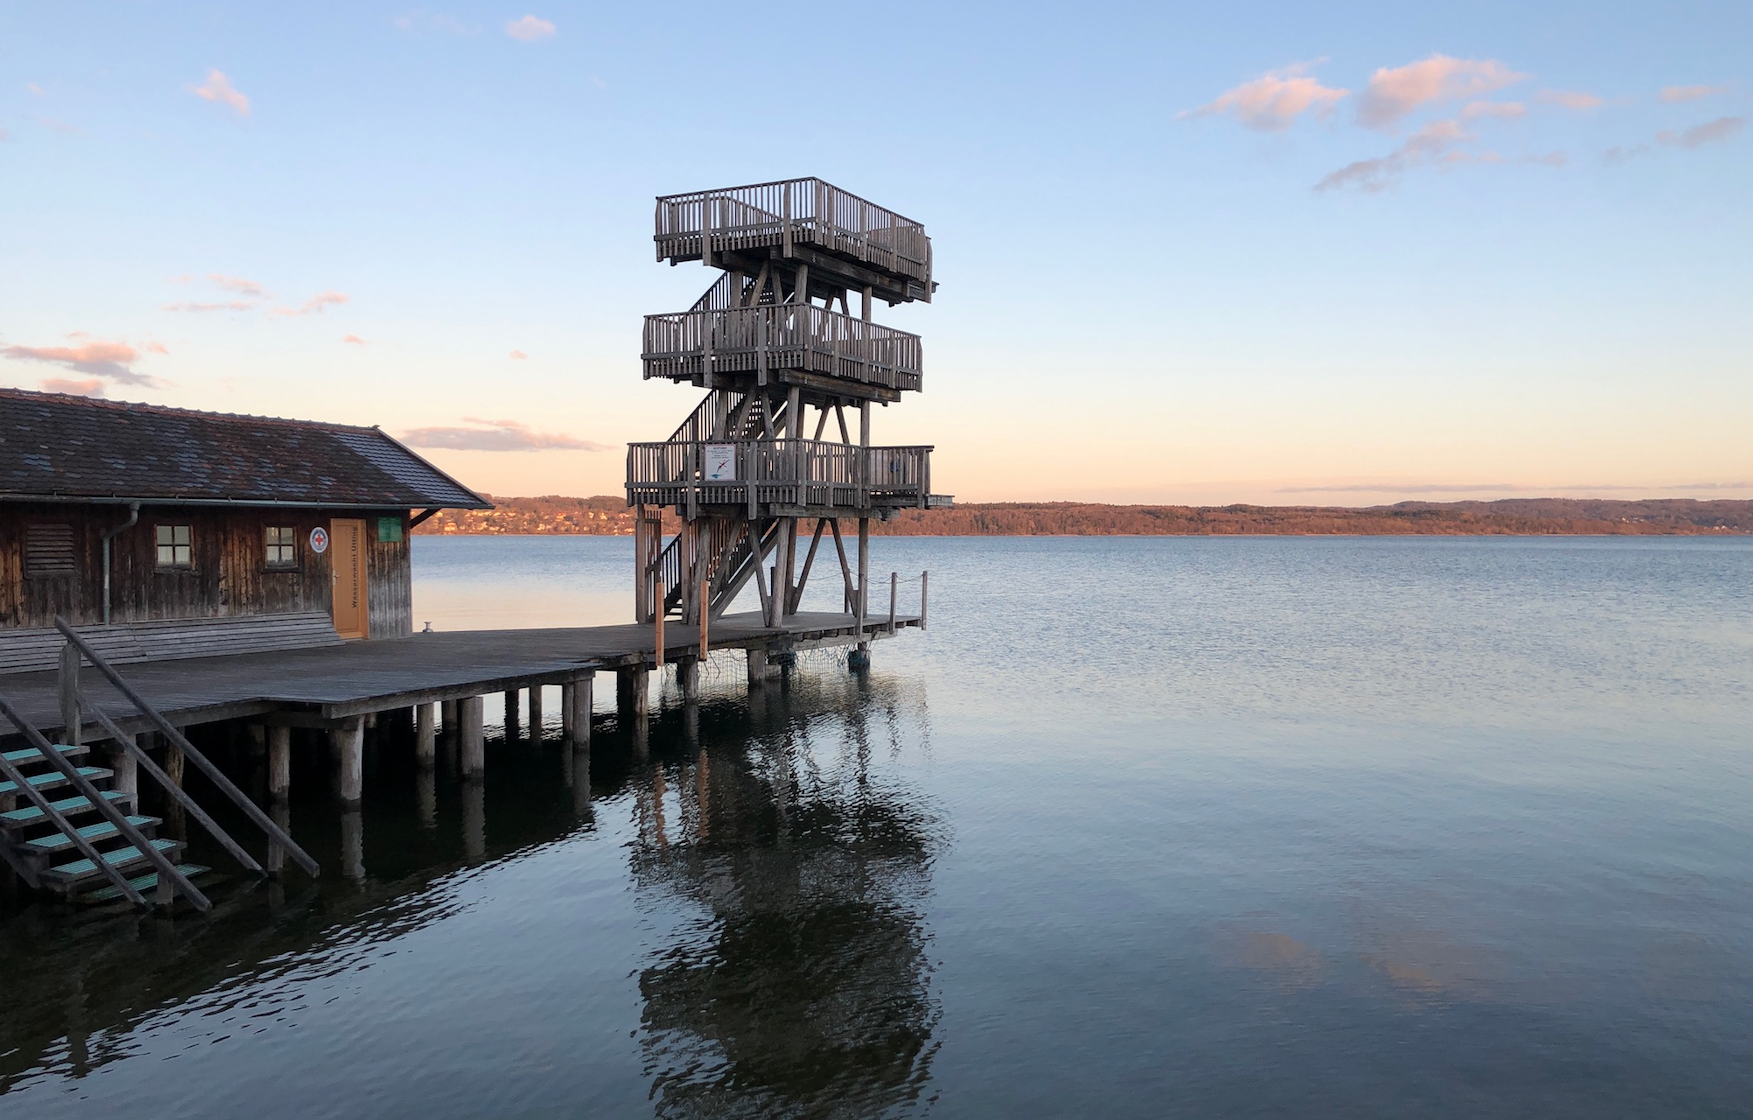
[[279, 763], [348, 742], [583, 700], [471, 736], [511, 713], [632, 694], [126, 769], [425, 736], [535, 715]]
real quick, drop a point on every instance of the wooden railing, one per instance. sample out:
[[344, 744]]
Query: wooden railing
[[781, 336], [792, 472], [793, 211]]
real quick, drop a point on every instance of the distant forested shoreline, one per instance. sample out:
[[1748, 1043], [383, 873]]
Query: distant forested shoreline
[[606, 515]]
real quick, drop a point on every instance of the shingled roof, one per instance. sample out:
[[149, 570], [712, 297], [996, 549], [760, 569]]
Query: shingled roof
[[77, 448]]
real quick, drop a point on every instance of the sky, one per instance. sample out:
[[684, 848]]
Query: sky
[[1279, 253]]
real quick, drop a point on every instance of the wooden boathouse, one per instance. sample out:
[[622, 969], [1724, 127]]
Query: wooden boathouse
[[115, 514], [166, 572]]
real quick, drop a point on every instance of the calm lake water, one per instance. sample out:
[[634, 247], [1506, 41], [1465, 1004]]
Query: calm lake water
[[1140, 827]]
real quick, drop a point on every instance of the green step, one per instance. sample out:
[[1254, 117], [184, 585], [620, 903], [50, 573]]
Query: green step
[[31, 754], [145, 884], [68, 873], [54, 778], [30, 814], [103, 830]]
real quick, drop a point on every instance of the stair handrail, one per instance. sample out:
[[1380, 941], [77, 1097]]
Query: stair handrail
[[249, 808], [176, 792], [86, 790]]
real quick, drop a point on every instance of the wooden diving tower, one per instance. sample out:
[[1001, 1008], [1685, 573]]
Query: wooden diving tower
[[771, 447]]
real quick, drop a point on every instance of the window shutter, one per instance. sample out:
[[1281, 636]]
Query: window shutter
[[48, 550]]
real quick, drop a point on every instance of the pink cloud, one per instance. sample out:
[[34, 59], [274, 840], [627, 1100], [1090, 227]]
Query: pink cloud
[[1503, 110], [237, 284], [529, 28], [1273, 101], [1570, 99], [229, 305], [496, 435], [518, 356], [1711, 132], [314, 305], [155, 347], [1391, 94], [113, 360], [1437, 143], [1673, 94], [91, 387], [354, 339], [219, 90]]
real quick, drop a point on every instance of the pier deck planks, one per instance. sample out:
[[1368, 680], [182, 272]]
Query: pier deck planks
[[327, 683]]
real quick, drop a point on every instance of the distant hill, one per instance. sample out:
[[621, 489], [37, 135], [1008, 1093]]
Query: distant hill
[[609, 516]]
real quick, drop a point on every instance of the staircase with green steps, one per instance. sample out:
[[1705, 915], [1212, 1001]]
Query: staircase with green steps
[[48, 859]]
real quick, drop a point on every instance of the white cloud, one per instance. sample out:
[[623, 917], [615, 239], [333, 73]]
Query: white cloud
[[528, 29], [219, 90]]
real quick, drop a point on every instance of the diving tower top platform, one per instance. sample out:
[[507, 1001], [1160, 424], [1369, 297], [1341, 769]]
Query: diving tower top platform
[[847, 242]]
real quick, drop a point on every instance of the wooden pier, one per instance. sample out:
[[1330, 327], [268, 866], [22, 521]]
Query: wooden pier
[[94, 713]]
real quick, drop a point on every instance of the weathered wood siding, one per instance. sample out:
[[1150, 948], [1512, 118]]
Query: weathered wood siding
[[228, 574]]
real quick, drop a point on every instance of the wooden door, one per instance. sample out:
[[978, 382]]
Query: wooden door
[[347, 564]]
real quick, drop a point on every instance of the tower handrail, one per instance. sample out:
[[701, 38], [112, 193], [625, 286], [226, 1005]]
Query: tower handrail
[[746, 337], [794, 209], [249, 808]]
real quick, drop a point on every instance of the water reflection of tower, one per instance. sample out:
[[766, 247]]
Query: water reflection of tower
[[797, 982]]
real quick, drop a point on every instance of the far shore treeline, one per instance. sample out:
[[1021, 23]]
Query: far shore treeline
[[609, 516]]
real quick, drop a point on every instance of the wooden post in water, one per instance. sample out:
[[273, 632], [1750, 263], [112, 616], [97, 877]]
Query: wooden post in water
[[471, 736], [126, 770], [924, 578], [894, 586], [348, 742], [632, 693], [535, 714], [279, 764], [688, 678], [425, 736], [579, 709], [511, 715]]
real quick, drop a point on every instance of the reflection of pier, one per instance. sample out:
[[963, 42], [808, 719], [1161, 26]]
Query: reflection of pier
[[778, 799], [802, 985]]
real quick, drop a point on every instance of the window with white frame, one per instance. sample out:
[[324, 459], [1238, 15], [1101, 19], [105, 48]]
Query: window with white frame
[[281, 547], [173, 547]]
